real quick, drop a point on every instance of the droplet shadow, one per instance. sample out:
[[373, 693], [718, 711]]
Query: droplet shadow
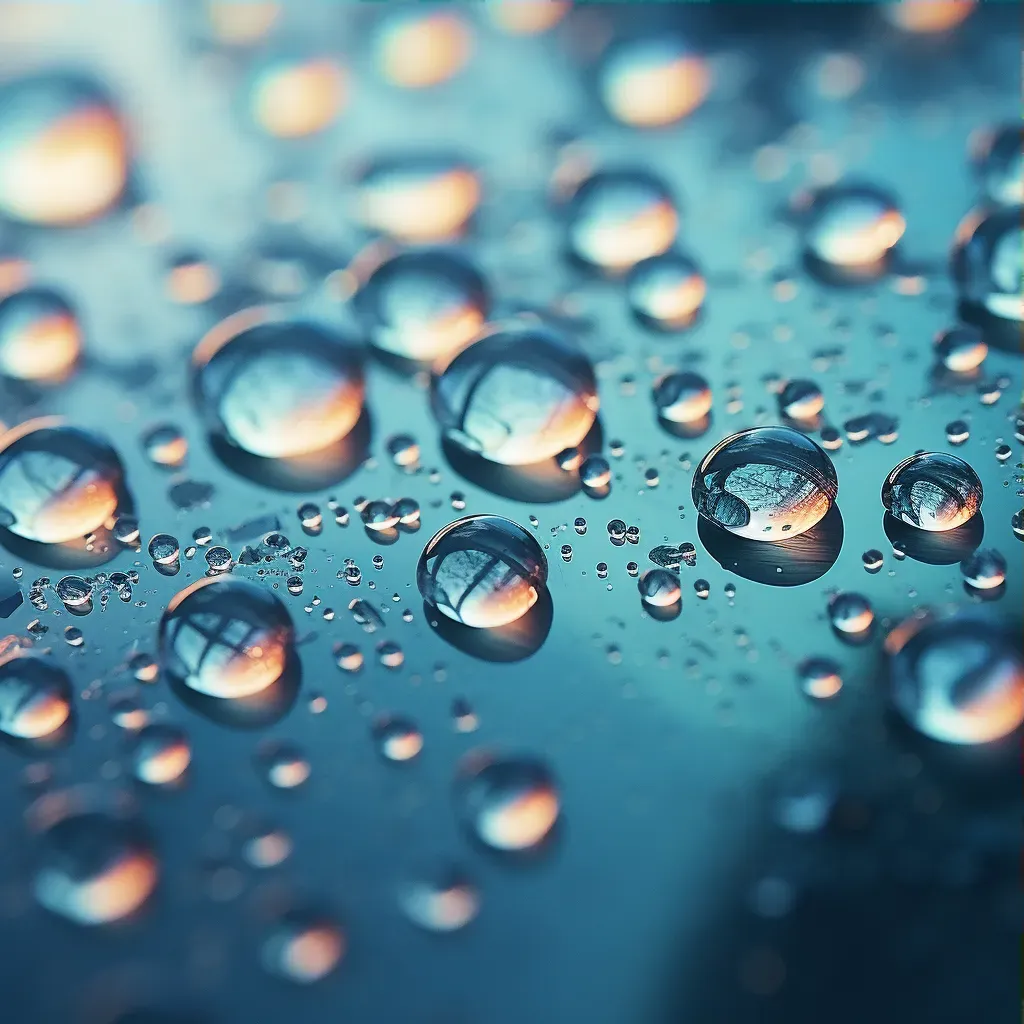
[[935, 548]]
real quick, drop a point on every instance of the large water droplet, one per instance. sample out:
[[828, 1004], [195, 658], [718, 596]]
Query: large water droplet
[[517, 396], [988, 262], [35, 697], [932, 491], [40, 336], [766, 483], [483, 571]]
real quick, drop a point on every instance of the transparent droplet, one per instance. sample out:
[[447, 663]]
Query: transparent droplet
[[73, 636], [165, 445], [94, 869], [850, 613], [958, 432], [74, 591], [984, 569], [291, 97], [819, 678], [365, 615], [407, 511], [466, 719], [653, 81], [616, 531], [483, 571], [418, 197], [225, 637], [988, 262], [379, 515], [872, 560], [404, 450], [595, 472], [57, 483], [458, 500], [304, 947], [418, 49], [443, 900], [63, 151], [1017, 524], [960, 348], [853, 228], [932, 491], [766, 483], [284, 765], [517, 396], [348, 657], [390, 654], [702, 589], [569, 459], [164, 549], [218, 559], [682, 397], [618, 218], [161, 754], [566, 552], [959, 680], [602, 570], [277, 388], [801, 400], [423, 305], [632, 569], [1003, 452], [510, 804], [35, 697], [397, 738], [998, 164], [659, 588], [666, 292], [40, 336], [831, 439], [580, 525]]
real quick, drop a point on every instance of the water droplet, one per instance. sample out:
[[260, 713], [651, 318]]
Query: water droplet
[[407, 511], [267, 848], [218, 559], [163, 549], [161, 754], [682, 397], [35, 697], [40, 336], [517, 396], [831, 439], [443, 900], [397, 738], [94, 869], [569, 460], [225, 638], [509, 804], [566, 552], [602, 570], [959, 680], [1003, 452], [654, 81], [423, 305], [284, 765], [801, 400], [365, 615], [729, 590], [57, 483], [63, 151], [277, 388], [595, 472], [404, 451], [632, 568], [310, 516], [985, 569], [1017, 524], [957, 432], [75, 592], [998, 164], [291, 97], [932, 491], [417, 49], [390, 654], [73, 636], [165, 445], [819, 678], [766, 483], [633, 534], [702, 589], [850, 614], [961, 348], [659, 588], [580, 525], [872, 560], [618, 218], [458, 500], [666, 293], [348, 657], [616, 531], [988, 262], [304, 947], [483, 571], [651, 479]]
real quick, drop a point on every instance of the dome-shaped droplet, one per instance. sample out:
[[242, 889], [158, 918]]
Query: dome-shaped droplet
[[850, 614], [417, 49], [164, 549], [40, 336], [291, 97], [35, 697], [653, 81], [766, 483], [517, 396], [852, 227], [801, 400], [442, 900], [509, 804], [418, 197], [659, 588], [304, 947], [277, 388], [999, 165], [988, 261], [161, 754], [423, 305], [961, 348], [682, 397], [666, 292], [595, 472], [284, 765], [63, 151], [618, 218], [959, 680], [165, 445], [985, 569], [397, 738], [819, 678], [379, 516], [94, 869], [483, 571], [57, 483], [933, 491], [225, 637]]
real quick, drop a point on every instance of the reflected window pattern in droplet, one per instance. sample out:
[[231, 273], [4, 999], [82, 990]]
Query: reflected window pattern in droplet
[[933, 491]]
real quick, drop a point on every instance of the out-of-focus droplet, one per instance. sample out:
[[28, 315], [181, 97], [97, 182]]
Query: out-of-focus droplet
[[94, 869], [483, 571], [161, 754], [283, 764], [850, 614], [853, 228], [927, 16], [819, 678], [801, 400], [35, 697], [988, 261], [766, 483], [397, 738], [984, 569], [652, 82], [57, 483], [304, 947], [419, 197], [702, 589], [348, 657], [390, 654], [418, 49], [225, 638], [510, 804], [526, 17], [241, 24], [40, 336], [404, 450], [291, 97], [618, 218], [443, 900], [933, 491], [516, 396], [961, 348], [872, 560], [666, 292], [959, 680], [999, 164], [682, 397], [165, 445], [64, 151], [423, 305], [191, 281], [407, 511], [379, 516], [164, 549], [275, 387]]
